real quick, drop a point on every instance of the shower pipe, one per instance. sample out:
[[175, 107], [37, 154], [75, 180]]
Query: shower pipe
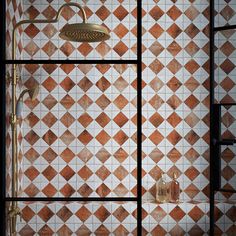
[[14, 210]]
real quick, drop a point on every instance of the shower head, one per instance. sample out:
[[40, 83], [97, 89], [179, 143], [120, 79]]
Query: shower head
[[33, 93], [84, 32]]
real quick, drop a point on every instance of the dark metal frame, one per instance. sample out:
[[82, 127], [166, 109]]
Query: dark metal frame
[[215, 123], [137, 62]]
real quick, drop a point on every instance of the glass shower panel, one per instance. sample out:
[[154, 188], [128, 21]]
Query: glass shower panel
[[225, 13], [225, 71], [77, 218], [42, 41], [79, 134]]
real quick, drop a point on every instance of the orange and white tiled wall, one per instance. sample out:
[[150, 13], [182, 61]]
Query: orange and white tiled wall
[[78, 138]]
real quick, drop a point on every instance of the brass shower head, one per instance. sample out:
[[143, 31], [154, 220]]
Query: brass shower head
[[84, 32], [33, 93]]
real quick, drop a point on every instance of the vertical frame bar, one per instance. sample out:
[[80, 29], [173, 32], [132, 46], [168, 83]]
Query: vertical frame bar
[[3, 118], [139, 118], [212, 98], [216, 154]]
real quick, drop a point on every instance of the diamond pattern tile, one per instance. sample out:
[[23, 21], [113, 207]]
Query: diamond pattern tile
[[85, 127], [120, 18]]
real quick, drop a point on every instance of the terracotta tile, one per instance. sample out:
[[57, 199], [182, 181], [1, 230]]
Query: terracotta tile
[[156, 119], [46, 230], [85, 154], [177, 214], [120, 137], [49, 155], [83, 213], [156, 13], [64, 214], [67, 84], [174, 119], [85, 190], [103, 137], [49, 48], [27, 213], [85, 119], [49, 173], [49, 102], [102, 213], [103, 84], [121, 119], [103, 13], [121, 230], [121, 173], [103, 155], [156, 30], [174, 31], [31, 173], [103, 119], [45, 214], [49, 137], [31, 190], [64, 230], [191, 101], [103, 102], [156, 137], [31, 137], [67, 173], [120, 13], [85, 84], [67, 48], [31, 30], [49, 119], [174, 13], [85, 137], [120, 102], [85, 102], [120, 48], [103, 173], [85, 173], [67, 101], [67, 119], [32, 119], [122, 191], [49, 190], [174, 102], [103, 190], [67, 190]]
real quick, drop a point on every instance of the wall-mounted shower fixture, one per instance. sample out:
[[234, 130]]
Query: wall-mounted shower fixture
[[33, 93], [79, 32]]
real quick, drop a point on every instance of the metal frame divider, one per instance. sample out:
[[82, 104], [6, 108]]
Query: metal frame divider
[[137, 62], [215, 123]]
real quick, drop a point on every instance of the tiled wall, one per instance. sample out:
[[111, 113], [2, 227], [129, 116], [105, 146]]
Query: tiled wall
[[120, 18], [79, 135], [78, 218]]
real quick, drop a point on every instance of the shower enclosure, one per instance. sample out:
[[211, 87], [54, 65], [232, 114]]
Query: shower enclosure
[[101, 99]]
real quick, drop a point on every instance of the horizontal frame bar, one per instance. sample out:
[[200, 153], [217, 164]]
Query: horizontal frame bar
[[71, 61], [226, 142], [224, 104], [74, 199], [226, 190], [222, 28]]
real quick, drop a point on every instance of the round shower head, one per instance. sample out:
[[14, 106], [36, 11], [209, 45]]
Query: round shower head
[[33, 93], [84, 32]]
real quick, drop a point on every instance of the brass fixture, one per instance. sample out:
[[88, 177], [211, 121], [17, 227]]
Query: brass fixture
[[33, 93], [79, 32], [84, 32]]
